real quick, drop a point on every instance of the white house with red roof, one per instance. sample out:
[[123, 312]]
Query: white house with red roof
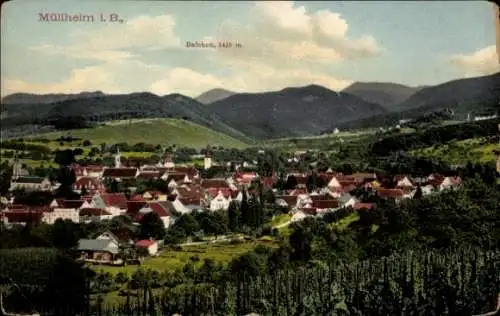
[[64, 210], [150, 245], [113, 203], [219, 198], [165, 211]]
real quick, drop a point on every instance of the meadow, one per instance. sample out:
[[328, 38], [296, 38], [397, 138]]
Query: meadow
[[152, 131]]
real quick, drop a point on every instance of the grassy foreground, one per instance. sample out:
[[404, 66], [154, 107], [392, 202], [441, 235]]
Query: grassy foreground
[[153, 131]]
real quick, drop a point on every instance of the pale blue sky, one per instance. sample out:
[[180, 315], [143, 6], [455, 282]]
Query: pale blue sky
[[290, 44]]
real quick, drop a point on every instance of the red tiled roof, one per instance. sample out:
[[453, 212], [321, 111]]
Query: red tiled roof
[[145, 243], [291, 200], [177, 177], [325, 204], [214, 183], [390, 193], [134, 206], [91, 211], [362, 206], [94, 168], [136, 197], [148, 175], [190, 171], [22, 216], [88, 182], [119, 173], [349, 187], [213, 192], [115, 199]]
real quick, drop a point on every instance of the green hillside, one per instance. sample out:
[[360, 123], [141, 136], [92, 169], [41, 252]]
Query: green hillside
[[153, 131], [475, 150]]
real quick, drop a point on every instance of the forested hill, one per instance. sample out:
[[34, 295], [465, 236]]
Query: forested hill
[[96, 109], [291, 112]]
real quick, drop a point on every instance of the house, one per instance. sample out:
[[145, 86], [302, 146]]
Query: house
[[214, 183], [347, 200], [219, 198], [303, 213], [287, 201], [95, 171], [94, 215], [90, 184], [443, 183], [396, 194], [64, 210], [30, 183], [325, 206], [404, 182], [148, 175], [99, 250], [21, 214], [120, 174], [175, 179], [150, 245], [165, 210], [113, 203]]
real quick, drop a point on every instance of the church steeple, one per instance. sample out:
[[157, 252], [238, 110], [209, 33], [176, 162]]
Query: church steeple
[[208, 158], [16, 168], [118, 162]]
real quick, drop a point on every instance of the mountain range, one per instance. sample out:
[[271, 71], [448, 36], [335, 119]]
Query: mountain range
[[290, 112]]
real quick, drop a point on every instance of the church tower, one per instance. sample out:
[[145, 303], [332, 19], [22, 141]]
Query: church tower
[[16, 169], [208, 158], [118, 162], [169, 161]]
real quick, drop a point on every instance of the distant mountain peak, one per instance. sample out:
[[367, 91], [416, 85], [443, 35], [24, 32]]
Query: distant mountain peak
[[214, 95], [387, 94]]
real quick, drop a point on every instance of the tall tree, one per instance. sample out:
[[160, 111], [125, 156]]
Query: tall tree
[[233, 214]]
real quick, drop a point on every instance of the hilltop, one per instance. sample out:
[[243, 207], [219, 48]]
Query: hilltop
[[31, 98], [386, 94], [291, 112], [214, 95]]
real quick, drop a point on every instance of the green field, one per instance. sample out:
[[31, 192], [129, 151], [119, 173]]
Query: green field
[[475, 150], [152, 131], [171, 259]]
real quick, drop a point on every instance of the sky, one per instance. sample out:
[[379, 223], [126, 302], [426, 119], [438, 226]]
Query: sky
[[274, 45]]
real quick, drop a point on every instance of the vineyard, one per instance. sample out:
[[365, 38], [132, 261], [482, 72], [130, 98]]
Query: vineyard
[[461, 282]]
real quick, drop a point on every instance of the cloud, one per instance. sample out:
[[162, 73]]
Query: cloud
[[120, 76], [482, 62], [185, 81], [119, 41], [284, 35], [283, 45]]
